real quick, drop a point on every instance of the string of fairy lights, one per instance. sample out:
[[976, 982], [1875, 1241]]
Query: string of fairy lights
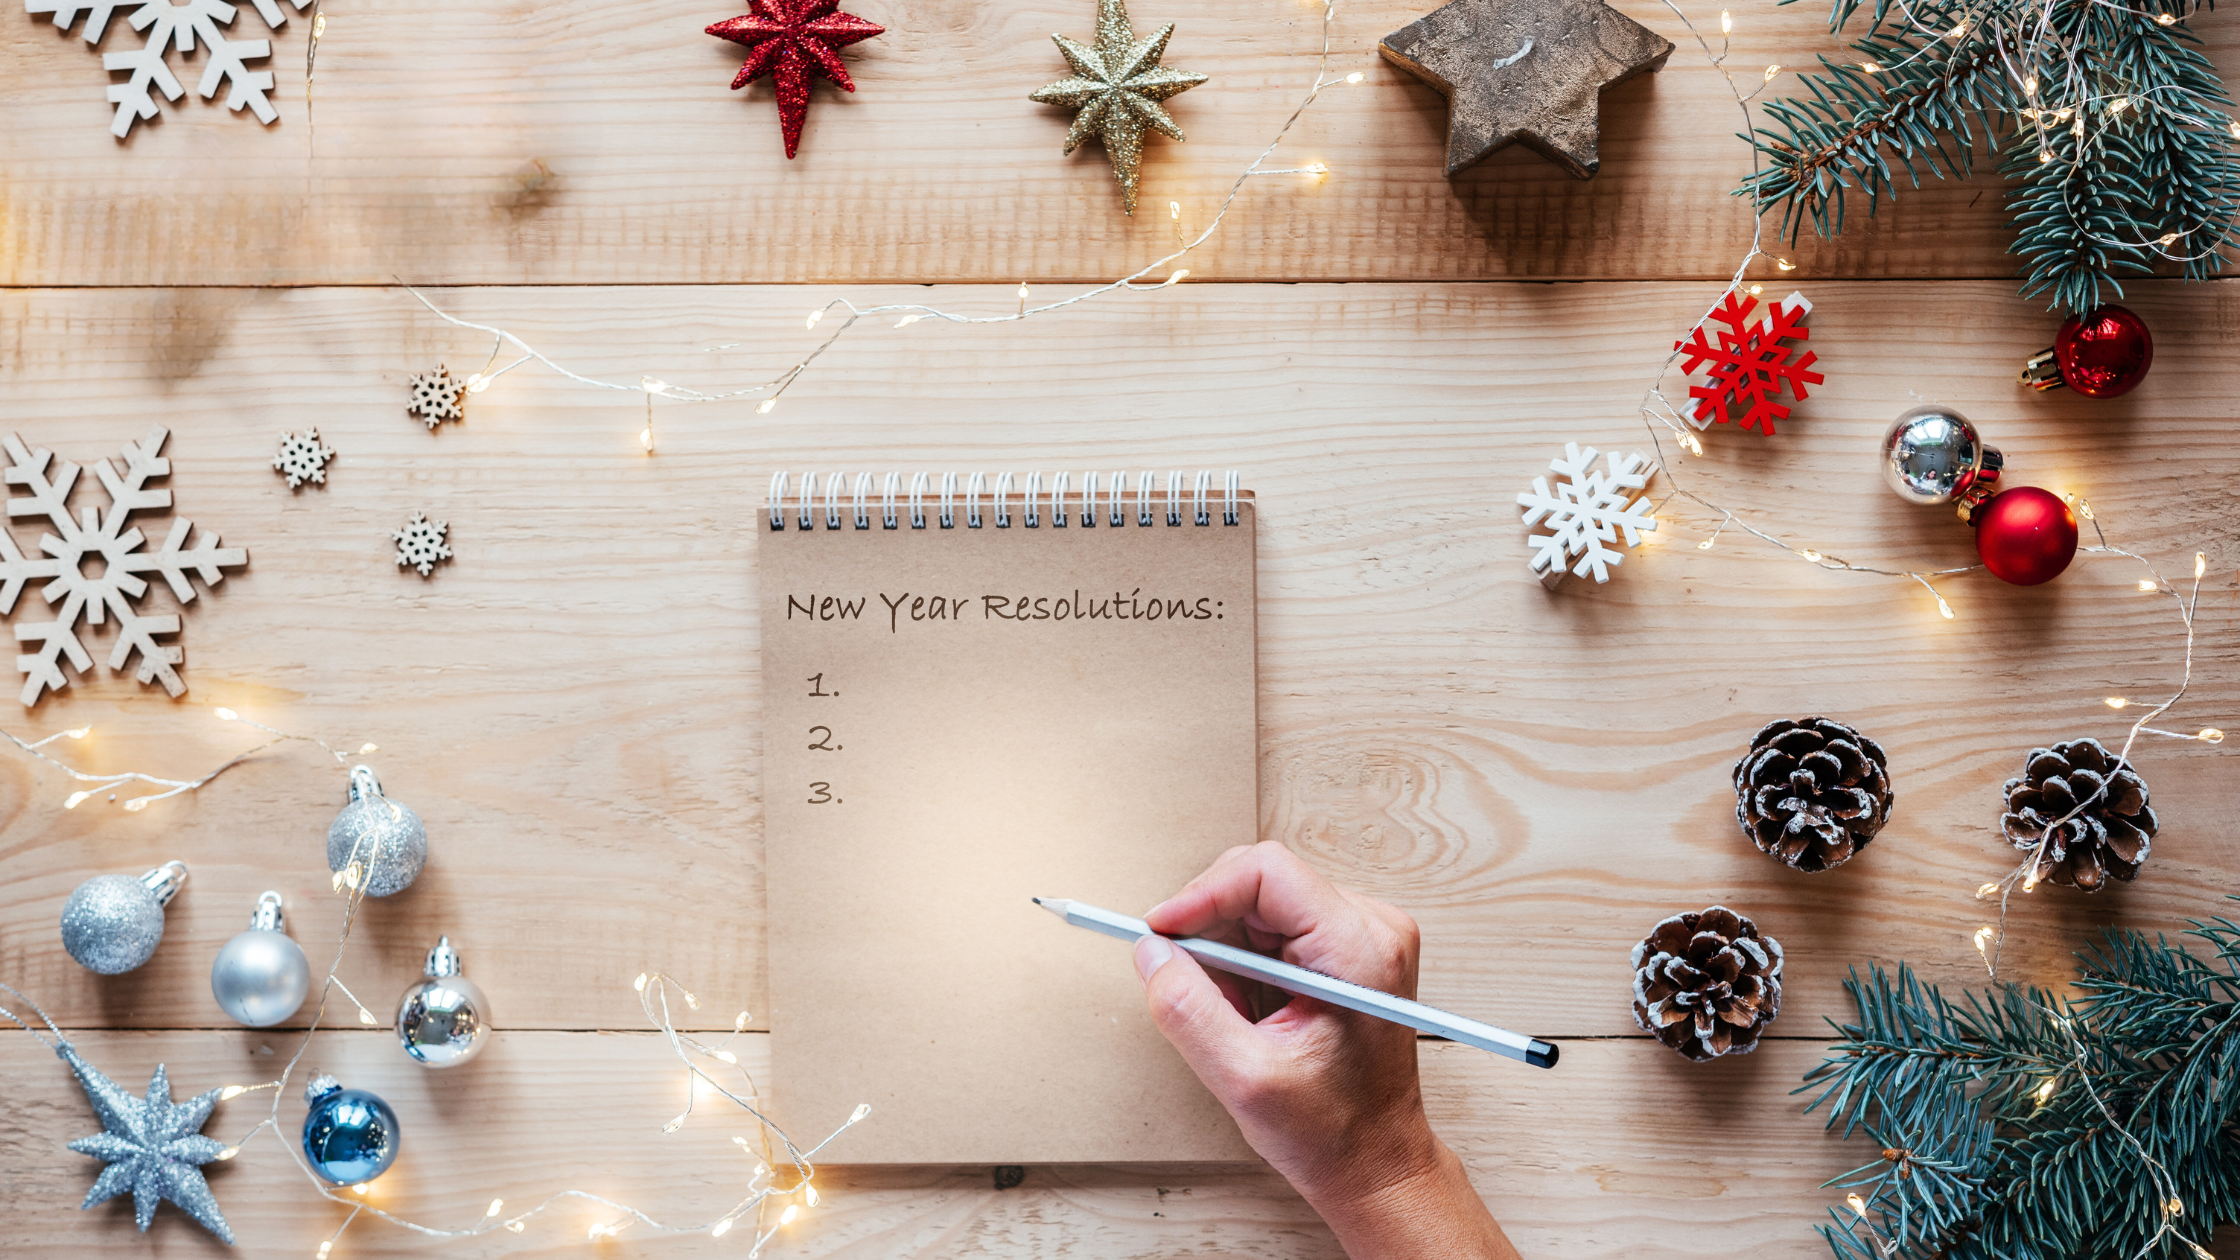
[[794, 1188]]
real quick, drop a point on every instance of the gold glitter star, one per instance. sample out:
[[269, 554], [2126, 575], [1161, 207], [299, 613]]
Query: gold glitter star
[[1117, 86]]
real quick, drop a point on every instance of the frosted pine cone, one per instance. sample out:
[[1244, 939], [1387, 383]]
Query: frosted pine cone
[[1707, 984], [1812, 792], [2110, 834]]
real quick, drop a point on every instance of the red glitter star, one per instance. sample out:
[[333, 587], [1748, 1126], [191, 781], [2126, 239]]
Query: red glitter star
[[794, 41]]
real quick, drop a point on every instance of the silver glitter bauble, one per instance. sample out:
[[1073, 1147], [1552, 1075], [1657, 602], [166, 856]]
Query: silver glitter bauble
[[382, 838], [261, 976], [443, 1019], [1934, 455], [112, 923]]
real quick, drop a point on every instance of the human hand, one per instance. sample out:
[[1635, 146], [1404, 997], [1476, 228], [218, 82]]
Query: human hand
[[1329, 1096]]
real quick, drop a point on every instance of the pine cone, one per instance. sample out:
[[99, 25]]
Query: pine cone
[[1812, 792], [1707, 984], [2110, 835]]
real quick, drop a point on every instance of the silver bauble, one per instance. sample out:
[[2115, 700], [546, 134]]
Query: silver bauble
[[261, 976], [112, 922], [382, 837], [1934, 455], [443, 1019]]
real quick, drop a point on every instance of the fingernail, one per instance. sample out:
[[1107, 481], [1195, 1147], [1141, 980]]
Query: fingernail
[[1152, 953]]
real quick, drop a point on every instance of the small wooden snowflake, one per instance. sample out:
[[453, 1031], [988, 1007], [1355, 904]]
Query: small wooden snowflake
[[302, 458], [421, 545], [437, 396]]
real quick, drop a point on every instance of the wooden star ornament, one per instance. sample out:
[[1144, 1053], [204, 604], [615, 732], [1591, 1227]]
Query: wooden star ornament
[[794, 41], [1530, 70], [1117, 87]]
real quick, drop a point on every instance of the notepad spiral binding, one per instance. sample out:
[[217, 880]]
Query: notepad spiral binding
[[892, 506]]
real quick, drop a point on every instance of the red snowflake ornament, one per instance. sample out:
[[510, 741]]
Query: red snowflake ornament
[[794, 41], [1749, 364]]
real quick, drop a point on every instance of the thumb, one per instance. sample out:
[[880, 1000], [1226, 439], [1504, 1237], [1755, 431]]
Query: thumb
[[1191, 1012]]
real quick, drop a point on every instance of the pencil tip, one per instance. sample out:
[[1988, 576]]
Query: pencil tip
[[1054, 905]]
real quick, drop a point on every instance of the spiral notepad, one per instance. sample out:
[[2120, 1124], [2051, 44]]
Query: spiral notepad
[[979, 689]]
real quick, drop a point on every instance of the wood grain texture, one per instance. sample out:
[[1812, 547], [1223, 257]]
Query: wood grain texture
[[573, 707], [516, 141]]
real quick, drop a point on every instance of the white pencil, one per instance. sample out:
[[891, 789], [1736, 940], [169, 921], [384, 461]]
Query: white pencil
[[1314, 984]]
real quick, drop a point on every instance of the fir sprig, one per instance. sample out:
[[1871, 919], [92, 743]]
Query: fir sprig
[[2019, 1125], [2111, 120]]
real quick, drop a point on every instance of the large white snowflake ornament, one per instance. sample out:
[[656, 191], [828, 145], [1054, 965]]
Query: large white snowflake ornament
[[421, 545], [92, 564], [1587, 510], [162, 25]]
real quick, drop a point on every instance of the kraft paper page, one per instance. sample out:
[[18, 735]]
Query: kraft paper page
[[957, 720]]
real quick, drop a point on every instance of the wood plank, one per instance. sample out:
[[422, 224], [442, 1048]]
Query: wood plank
[[1652, 1156], [572, 703], [489, 142]]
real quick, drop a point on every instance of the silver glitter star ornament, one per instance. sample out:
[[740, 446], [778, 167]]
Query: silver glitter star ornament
[[1117, 87], [154, 1147]]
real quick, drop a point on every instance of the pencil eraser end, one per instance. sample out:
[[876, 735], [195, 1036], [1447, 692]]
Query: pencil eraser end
[[1543, 1054]]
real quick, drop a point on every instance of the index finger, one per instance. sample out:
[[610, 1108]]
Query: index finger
[[1264, 886]]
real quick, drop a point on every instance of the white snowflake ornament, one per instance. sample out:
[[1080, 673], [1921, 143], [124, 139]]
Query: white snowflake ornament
[[420, 544], [437, 396], [111, 541], [1586, 511], [302, 458], [163, 24]]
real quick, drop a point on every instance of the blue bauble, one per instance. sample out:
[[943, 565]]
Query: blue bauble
[[349, 1134]]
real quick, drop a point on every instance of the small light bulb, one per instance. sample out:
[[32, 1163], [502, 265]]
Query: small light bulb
[[226, 715], [1869, 67], [645, 439], [360, 1188], [814, 316], [2167, 239], [1318, 168], [1944, 608], [2165, 19], [2084, 508], [653, 386], [691, 1001], [366, 748], [478, 382], [1692, 442], [1958, 30], [1983, 940], [742, 1143], [2030, 86], [763, 408], [2030, 882], [1174, 277], [1022, 290], [2044, 156], [2146, 585], [515, 1225], [1772, 71], [1174, 211], [229, 1152], [2200, 1252], [1726, 22], [2175, 1206], [75, 800], [640, 983], [2117, 702], [787, 1217], [1705, 545], [1858, 1204], [673, 1125], [722, 1227], [2045, 1092], [1985, 890], [137, 803], [2078, 128], [740, 1024], [809, 1193], [862, 1110], [495, 1206], [2211, 735], [1356, 77], [1784, 264], [727, 1056], [2200, 563], [1809, 554], [231, 1092], [368, 1018], [2119, 104], [325, 1247], [1757, 289]]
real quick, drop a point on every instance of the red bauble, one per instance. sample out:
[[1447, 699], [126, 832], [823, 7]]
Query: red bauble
[[2104, 352], [2025, 535]]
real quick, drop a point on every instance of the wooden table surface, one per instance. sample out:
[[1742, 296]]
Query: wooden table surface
[[572, 703]]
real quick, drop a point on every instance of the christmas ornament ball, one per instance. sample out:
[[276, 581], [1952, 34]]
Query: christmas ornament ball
[[383, 837], [112, 923], [443, 1020], [261, 977], [2103, 353], [1933, 455], [349, 1135], [2026, 535]]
